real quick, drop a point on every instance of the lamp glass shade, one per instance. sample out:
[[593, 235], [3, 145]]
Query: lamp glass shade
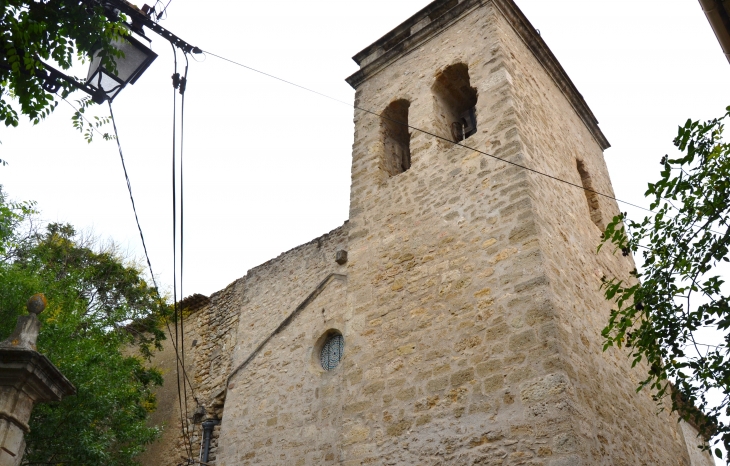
[[130, 67]]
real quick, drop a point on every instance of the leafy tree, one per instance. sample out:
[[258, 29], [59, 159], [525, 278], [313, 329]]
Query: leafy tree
[[679, 299], [34, 32], [99, 310], [12, 217]]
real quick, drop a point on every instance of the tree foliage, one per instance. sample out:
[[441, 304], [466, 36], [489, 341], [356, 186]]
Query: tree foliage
[[34, 32], [100, 312], [12, 217], [675, 315]]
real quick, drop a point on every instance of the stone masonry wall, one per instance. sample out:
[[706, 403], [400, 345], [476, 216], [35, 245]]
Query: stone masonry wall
[[443, 262], [267, 396], [213, 339], [611, 425], [518, 377], [283, 408], [470, 306], [210, 333]]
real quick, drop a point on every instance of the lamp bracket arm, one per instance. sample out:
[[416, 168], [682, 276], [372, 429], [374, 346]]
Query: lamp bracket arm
[[50, 76], [138, 16], [54, 74]]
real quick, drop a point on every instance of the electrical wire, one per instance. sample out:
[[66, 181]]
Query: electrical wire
[[183, 87], [428, 132], [149, 264], [131, 197], [163, 11], [144, 246], [174, 249], [179, 350], [182, 394], [608, 196], [205, 57], [136, 218]]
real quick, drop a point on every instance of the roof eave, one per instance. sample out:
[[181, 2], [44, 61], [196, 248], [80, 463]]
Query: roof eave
[[718, 15]]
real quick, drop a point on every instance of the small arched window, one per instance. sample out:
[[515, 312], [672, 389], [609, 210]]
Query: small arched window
[[594, 206], [455, 103], [396, 138]]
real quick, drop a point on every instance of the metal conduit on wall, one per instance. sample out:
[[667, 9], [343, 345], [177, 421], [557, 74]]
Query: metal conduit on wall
[[208, 427]]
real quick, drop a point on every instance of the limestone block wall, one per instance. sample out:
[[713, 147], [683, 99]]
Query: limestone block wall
[[697, 456], [270, 397], [283, 408], [274, 289], [549, 394], [470, 306], [611, 424], [214, 336], [445, 275], [234, 321], [210, 333]]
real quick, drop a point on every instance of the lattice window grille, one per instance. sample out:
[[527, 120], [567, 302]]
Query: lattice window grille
[[332, 352]]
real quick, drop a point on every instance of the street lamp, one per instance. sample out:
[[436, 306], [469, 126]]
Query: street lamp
[[101, 83], [129, 67]]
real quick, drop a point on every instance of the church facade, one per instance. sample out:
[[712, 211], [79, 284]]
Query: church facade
[[456, 317]]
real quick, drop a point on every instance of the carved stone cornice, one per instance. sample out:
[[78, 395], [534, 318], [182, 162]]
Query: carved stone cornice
[[34, 374], [439, 15]]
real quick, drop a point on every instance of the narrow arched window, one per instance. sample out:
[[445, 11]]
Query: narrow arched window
[[396, 138], [594, 206], [455, 103]]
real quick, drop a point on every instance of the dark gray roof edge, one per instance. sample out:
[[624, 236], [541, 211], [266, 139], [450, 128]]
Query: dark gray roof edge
[[516, 19], [403, 27]]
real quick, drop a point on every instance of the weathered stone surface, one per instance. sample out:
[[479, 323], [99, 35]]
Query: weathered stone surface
[[26, 378], [471, 289]]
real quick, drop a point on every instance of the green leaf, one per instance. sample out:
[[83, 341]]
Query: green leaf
[[681, 292]]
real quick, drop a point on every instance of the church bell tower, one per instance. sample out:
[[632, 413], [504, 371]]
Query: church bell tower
[[456, 318], [473, 282]]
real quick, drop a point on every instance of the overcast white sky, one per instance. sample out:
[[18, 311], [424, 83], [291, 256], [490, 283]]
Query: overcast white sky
[[268, 165]]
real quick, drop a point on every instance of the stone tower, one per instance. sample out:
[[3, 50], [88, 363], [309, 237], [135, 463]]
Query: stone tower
[[474, 285], [465, 289]]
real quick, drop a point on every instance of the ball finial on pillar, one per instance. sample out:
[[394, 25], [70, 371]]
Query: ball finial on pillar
[[37, 303]]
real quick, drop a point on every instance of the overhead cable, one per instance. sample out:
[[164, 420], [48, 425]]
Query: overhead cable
[[134, 208], [426, 132], [181, 391], [131, 197], [415, 128], [178, 346], [183, 87], [136, 217], [164, 10]]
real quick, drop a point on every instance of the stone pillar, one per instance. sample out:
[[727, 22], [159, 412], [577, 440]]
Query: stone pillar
[[26, 378]]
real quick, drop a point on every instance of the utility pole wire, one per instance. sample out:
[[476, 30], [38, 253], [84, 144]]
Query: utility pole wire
[[428, 132], [182, 395], [163, 11], [144, 245], [608, 196]]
